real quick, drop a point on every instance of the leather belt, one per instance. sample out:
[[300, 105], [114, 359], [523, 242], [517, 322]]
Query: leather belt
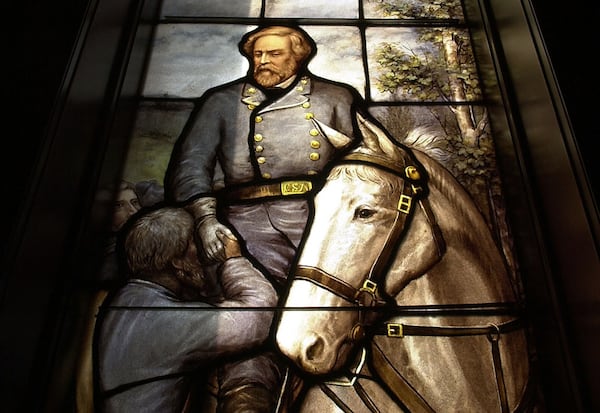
[[283, 188]]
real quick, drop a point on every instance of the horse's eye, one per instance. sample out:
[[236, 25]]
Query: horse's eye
[[363, 212]]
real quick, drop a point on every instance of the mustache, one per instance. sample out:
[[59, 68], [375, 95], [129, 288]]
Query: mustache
[[267, 67]]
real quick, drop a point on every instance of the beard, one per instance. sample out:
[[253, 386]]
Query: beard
[[268, 75], [194, 277]]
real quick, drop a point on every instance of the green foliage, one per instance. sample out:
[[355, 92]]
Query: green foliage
[[425, 73], [408, 9], [471, 161], [405, 73]]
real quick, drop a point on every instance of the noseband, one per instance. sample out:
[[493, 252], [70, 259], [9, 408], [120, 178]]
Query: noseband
[[367, 295]]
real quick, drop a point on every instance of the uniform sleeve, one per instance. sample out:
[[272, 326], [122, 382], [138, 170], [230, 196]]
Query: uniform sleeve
[[244, 286], [161, 335], [192, 165], [342, 132]]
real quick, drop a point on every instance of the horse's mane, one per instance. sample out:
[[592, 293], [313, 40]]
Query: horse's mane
[[367, 174], [429, 149]]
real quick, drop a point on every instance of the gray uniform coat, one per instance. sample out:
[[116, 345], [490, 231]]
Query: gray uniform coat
[[255, 140], [145, 357]]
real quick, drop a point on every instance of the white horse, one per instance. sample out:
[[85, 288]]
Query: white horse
[[401, 300]]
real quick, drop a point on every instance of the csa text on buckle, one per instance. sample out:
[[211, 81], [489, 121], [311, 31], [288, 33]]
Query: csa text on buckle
[[394, 330], [295, 187]]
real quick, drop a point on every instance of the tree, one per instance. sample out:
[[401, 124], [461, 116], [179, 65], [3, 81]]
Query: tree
[[443, 68], [409, 9]]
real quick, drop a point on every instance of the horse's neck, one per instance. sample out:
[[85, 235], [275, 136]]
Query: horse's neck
[[472, 269]]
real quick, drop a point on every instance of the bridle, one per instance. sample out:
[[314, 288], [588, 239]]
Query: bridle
[[413, 191]]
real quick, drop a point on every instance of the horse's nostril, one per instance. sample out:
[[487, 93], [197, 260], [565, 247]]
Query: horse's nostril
[[313, 348]]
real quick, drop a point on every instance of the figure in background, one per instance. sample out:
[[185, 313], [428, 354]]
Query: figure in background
[[156, 334], [125, 200]]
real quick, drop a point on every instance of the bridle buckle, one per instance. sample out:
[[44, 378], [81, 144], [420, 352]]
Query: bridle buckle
[[395, 330], [369, 286]]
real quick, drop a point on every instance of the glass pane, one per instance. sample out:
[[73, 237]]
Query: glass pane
[[211, 8], [417, 64], [156, 128], [413, 9], [339, 55], [312, 8], [188, 59]]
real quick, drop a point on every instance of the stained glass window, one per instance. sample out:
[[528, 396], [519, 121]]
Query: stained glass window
[[416, 72]]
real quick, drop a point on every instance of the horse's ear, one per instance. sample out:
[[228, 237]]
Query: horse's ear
[[374, 138]]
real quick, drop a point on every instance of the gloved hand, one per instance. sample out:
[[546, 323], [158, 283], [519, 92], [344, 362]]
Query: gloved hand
[[213, 247], [210, 230]]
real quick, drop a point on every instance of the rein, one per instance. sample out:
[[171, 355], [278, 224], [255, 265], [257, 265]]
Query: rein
[[398, 330]]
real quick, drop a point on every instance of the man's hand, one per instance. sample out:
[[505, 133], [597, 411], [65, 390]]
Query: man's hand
[[214, 237]]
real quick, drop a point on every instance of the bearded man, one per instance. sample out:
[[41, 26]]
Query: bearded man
[[272, 133], [159, 336]]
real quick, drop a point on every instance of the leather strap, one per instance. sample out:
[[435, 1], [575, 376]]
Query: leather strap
[[364, 396], [405, 393], [404, 209], [322, 279], [338, 402], [400, 330], [500, 383]]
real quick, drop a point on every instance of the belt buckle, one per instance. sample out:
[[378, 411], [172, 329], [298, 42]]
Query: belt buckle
[[295, 187], [394, 330]]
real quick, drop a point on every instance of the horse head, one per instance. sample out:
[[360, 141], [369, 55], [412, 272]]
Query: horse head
[[393, 228], [361, 225]]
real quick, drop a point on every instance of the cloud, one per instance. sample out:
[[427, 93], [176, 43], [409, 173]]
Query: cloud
[[312, 8], [212, 8], [188, 59]]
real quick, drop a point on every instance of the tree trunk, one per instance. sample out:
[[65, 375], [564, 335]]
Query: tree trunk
[[462, 112]]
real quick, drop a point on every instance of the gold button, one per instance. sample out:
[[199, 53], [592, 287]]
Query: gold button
[[308, 115], [314, 156], [261, 159], [312, 172], [315, 144], [259, 148], [251, 106], [299, 88], [266, 175], [251, 90], [258, 137], [258, 119], [314, 132], [304, 80], [306, 105]]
